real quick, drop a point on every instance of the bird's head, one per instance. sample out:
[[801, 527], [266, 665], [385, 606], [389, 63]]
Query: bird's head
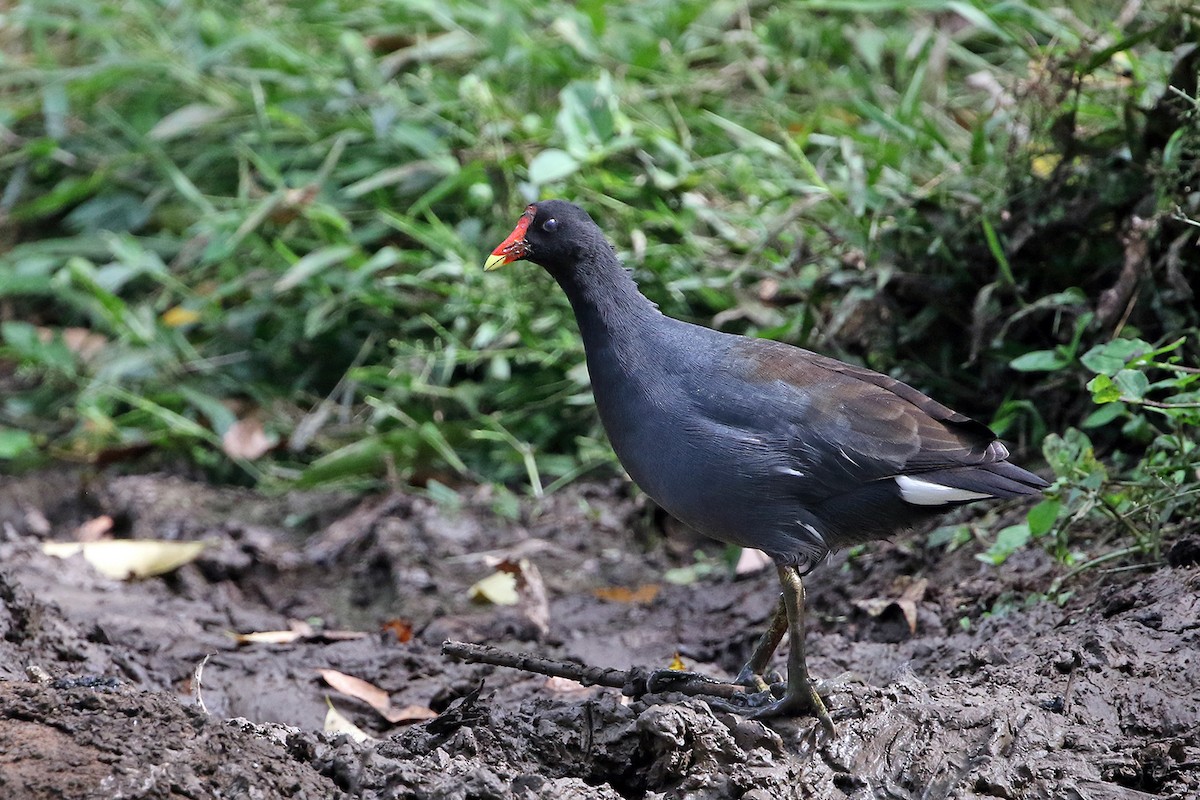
[[551, 233]]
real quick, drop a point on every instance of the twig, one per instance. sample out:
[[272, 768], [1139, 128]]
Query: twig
[[634, 682], [197, 674]]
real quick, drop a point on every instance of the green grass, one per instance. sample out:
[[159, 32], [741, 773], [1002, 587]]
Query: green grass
[[279, 211]]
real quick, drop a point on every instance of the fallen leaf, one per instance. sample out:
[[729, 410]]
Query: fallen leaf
[[516, 583], [499, 588], [300, 632], [368, 692], [123, 559], [623, 594], [375, 697], [247, 440], [564, 685], [409, 714], [751, 560], [913, 592], [83, 342], [268, 637], [178, 316], [337, 722], [677, 664], [400, 628], [531, 596], [94, 529]]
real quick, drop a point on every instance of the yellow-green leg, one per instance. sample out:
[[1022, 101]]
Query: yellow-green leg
[[801, 695], [753, 674]]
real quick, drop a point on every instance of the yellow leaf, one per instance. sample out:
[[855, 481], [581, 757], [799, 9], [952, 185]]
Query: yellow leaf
[[499, 588], [677, 664], [268, 637], [178, 316], [337, 722], [123, 559], [1044, 166]]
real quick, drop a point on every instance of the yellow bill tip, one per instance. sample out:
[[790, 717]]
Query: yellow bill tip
[[494, 262]]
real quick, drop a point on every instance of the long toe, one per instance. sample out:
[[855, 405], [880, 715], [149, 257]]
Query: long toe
[[795, 702], [747, 704], [752, 680]]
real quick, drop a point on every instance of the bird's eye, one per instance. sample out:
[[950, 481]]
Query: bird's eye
[[550, 225]]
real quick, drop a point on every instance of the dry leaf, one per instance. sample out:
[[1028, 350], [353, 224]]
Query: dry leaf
[[409, 714], [677, 664], [400, 628], [300, 631], [178, 316], [368, 692], [337, 722], [751, 560], [531, 592], [94, 529], [516, 583], [565, 685], [247, 440], [81, 341], [375, 697], [499, 588], [268, 637], [623, 594], [129, 558], [912, 593]]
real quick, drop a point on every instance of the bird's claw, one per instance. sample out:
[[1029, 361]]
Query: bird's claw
[[778, 701], [755, 682]]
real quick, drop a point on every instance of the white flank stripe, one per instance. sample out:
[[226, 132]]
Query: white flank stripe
[[924, 493]]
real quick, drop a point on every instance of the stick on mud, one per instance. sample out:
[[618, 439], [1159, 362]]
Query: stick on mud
[[635, 682]]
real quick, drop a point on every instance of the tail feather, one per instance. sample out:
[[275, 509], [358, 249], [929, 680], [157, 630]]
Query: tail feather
[[998, 479]]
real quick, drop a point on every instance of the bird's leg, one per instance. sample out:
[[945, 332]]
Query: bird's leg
[[752, 675], [801, 694]]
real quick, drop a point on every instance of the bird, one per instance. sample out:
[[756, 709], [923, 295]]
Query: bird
[[755, 442]]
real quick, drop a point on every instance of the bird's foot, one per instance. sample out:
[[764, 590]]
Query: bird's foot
[[798, 700], [756, 682], [790, 702]]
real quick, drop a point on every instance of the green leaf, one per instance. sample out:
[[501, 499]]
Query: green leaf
[[1133, 384], [1103, 415], [364, 457], [313, 263], [14, 443], [1041, 518], [1103, 389], [1111, 357], [1039, 361], [1008, 541], [551, 165]]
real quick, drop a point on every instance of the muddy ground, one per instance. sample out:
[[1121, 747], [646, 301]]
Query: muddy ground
[[991, 696]]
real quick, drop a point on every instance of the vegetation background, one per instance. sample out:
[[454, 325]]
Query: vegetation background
[[245, 238]]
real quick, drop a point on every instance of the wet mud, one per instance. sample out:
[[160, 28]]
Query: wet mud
[[995, 693]]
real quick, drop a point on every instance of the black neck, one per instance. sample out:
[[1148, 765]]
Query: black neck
[[607, 304]]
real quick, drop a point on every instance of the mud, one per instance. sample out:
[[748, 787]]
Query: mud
[[996, 694]]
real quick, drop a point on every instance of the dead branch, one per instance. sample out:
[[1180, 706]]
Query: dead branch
[[635, 682]]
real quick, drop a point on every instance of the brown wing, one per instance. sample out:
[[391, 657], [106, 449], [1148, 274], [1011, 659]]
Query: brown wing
[[879, 424]]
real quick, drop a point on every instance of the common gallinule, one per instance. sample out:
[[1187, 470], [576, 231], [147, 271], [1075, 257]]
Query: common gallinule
[[755, 442]]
